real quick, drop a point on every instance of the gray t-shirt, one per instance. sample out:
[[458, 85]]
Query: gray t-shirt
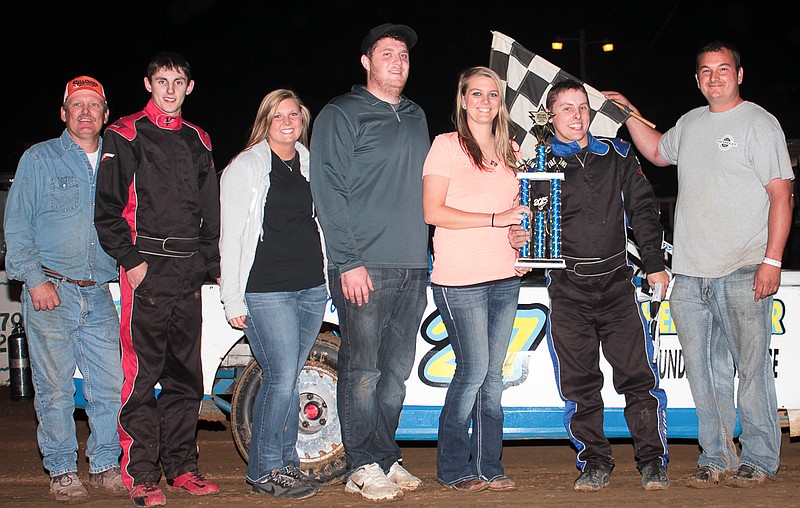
[[724, 161]]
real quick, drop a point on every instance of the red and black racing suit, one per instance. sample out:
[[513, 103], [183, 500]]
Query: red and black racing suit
[[593, 301], [158, 202]]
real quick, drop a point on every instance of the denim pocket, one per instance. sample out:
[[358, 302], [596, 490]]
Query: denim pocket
[[64, 193]]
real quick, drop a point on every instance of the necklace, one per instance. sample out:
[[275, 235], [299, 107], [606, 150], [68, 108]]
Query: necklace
[[490, 159], [582, 161], [291, 161]]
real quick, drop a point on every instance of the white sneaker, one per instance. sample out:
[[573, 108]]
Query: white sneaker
[[371, 482], [402, 478]]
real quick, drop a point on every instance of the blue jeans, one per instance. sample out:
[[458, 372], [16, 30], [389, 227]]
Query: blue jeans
[[375, 359], [479, 321], [720, 326], [83, 331], [281, 328]]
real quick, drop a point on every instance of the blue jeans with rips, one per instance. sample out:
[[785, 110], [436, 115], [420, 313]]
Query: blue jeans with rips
[[720, 328], [83, 331], [479, 321], [282, 327], [375, 360]]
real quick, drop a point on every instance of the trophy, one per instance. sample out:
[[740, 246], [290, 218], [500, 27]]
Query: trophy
[[543, 250]]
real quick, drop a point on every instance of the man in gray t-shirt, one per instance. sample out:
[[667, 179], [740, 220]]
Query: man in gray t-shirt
[[732, 218]]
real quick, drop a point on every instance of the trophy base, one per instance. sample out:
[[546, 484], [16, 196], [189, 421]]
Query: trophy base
[[539, 175], [540, 263]]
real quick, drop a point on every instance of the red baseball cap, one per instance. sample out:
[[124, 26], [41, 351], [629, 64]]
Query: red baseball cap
[[84, 83]]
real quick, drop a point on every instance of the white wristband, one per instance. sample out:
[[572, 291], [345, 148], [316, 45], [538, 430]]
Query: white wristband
[[772, 262]]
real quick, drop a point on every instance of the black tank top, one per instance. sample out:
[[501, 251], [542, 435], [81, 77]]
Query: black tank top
[[290, 256]]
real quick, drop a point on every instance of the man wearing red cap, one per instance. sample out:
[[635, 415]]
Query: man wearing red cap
[[69, 314]]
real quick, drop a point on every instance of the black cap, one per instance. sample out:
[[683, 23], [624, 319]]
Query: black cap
[[408, 35]]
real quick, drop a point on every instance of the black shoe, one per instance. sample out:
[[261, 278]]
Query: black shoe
[[279, 485], [745, 477], [592, 479], [654, 475], [302, 476]]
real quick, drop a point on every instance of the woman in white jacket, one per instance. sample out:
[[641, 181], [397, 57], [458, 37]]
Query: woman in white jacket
[[272, 282]]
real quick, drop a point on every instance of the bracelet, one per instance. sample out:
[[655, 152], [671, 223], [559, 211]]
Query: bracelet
[[772, 262], [492, 220]]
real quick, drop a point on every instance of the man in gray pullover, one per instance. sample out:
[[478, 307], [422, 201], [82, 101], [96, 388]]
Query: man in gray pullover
[[367, 153]]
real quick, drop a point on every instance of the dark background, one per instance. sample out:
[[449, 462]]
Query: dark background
[[239, 51]]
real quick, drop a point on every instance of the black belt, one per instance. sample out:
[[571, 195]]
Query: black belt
[[595, 266], [171, 247], [55, 275]]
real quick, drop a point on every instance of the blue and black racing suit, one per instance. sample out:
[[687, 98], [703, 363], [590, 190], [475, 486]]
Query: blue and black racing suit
[[593, 301]]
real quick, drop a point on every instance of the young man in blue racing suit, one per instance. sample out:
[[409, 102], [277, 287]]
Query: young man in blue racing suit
[[593, 301]]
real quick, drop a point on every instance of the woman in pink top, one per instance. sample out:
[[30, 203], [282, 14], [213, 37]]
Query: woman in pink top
[[470, 194]]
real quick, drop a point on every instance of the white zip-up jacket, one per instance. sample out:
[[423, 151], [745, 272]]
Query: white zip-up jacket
[[243, 193]]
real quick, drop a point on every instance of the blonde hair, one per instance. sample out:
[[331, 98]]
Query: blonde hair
[[500, 125], [266, 112]]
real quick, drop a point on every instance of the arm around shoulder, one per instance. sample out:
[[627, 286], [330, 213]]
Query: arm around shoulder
[[643, 136]]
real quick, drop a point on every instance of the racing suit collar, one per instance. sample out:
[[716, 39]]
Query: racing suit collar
[[161, 119], [562, 149]]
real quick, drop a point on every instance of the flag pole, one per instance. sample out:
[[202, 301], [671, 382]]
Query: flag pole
[[637, 116]]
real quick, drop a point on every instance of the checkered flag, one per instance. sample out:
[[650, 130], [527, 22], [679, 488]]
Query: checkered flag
[[528, 78]]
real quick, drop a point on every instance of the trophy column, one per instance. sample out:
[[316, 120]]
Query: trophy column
[[543, 250]]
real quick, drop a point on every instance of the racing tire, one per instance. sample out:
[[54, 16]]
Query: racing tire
[[319, 438]]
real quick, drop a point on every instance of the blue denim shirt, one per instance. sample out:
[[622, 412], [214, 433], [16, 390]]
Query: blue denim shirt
[[49, 218]]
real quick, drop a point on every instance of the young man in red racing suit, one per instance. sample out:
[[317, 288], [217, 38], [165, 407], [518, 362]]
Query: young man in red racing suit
[[157, 214]]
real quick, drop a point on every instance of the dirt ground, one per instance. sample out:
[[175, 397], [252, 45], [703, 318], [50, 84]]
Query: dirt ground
[[544, 471]]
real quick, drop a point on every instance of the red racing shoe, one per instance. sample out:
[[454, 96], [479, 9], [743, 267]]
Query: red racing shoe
[[147, 494], [194, 483]]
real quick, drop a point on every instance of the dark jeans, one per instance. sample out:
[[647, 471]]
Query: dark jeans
[[375, 359], [479, 321]]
